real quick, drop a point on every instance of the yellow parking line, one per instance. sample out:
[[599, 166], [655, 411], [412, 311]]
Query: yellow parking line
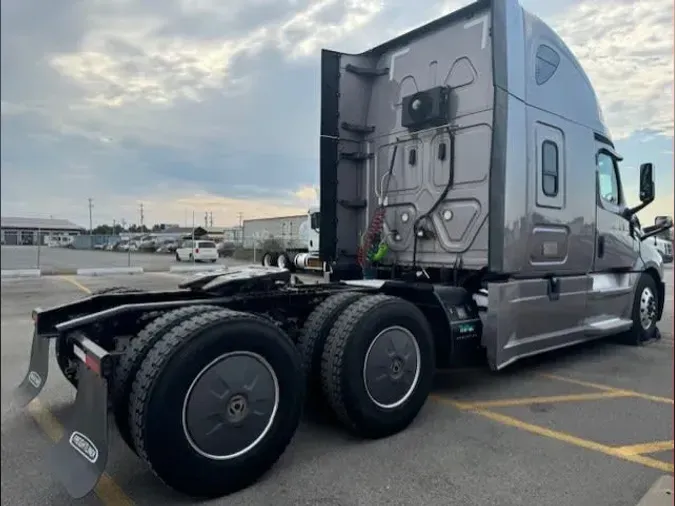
[[525, 401], [76, 283], [606, 388], [563, 437], [106, 489], [640, 449]]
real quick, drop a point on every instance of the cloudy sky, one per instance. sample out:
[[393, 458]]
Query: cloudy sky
[[196, 105]]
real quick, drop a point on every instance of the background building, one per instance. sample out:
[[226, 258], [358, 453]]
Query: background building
[[28, 231]]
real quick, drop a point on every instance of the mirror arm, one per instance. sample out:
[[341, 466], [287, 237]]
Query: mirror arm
[[630, 211], [654, 232]]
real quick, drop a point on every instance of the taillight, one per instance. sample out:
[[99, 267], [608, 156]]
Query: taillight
[[197, 250]]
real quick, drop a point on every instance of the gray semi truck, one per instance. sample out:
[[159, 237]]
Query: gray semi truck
[[467, 172]]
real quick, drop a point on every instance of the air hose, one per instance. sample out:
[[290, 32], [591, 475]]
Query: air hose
[[377, 222]]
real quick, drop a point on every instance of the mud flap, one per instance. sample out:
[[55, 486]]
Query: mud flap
[[79, 459], [38, 368]]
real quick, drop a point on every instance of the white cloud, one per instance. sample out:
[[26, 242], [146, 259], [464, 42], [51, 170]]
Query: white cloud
[[126, 60], [627, 50]]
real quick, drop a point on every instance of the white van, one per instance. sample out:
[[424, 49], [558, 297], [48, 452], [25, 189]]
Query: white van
[[199, 251]]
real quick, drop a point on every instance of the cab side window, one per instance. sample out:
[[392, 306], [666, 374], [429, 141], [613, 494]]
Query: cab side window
[[608, 182]]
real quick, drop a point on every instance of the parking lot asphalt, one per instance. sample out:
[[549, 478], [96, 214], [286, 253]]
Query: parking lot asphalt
[[63, 259], [589, 426]]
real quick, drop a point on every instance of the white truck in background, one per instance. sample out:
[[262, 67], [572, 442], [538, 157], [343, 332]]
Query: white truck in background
[[305, 258], [665, 248]]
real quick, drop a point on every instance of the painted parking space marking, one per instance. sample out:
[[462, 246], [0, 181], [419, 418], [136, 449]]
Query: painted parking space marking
[[552, 399], [645, 448], [618, 452], [106, 489], [637, 453], [76, 284], [607, 388]]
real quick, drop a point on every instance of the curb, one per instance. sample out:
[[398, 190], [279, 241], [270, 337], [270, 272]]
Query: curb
[[109, 270], [197, 268], [103, 271], [20, 273], [660, 493]]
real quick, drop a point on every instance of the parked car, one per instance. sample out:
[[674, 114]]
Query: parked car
[[199, 251], [168, 246], [112, 245], [148, 244], [225, 249]]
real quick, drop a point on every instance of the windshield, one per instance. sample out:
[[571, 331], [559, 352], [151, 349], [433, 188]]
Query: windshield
[[315, 221]]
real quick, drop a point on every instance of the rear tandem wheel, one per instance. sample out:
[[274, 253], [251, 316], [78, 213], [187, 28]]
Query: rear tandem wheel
[[216, 401], [312, 339], [378, 364], [132, 357]]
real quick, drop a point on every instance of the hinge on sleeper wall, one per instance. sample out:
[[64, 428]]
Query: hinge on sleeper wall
[[356, 156], [365, 71], [353, 204], [359, 129]]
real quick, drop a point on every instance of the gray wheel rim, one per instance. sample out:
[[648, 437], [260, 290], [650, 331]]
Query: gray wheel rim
[[267, 261], [391, 368], [281, 262], [230, 405], [647, 308]]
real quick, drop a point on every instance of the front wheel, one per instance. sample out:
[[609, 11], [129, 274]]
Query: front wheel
[[177, 258], [644, 313]]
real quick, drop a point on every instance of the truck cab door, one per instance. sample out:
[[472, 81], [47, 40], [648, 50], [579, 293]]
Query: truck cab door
[[616, 246]]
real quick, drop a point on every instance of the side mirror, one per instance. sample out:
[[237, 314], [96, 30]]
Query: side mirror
[[664, 222], [647, 193]]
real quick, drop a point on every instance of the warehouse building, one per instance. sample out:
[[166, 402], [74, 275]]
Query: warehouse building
[[286, 229], [28, 231]]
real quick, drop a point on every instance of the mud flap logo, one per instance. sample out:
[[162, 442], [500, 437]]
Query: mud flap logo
[[84, 446], [35, 379]]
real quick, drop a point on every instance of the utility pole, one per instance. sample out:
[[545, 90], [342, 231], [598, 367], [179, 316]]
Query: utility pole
[[206, 219], [91, 227], [240, 215], [142, 215], [211, 219]]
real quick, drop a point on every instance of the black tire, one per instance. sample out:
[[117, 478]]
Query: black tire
[[639, 334], [269, 259], [163, 384], [344, 358], [177, 258], [312, 339], [130, 362], [67, 363], [284, 259]]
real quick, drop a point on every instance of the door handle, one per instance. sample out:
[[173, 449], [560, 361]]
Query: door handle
[[601, 246]]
